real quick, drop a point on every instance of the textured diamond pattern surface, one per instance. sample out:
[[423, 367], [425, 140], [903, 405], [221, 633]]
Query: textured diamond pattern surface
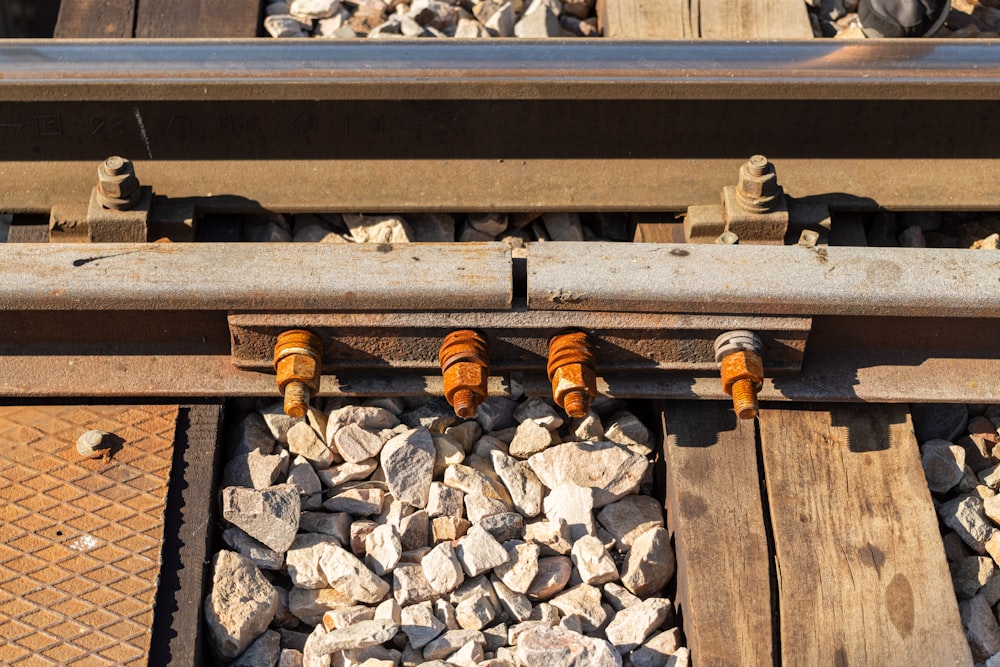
[[80, 539]]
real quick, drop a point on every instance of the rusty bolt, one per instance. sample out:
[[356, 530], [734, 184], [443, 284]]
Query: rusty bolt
[[738, 354], [297, 361], [117, 186], [465, 364], [757, 188], [571, 371]]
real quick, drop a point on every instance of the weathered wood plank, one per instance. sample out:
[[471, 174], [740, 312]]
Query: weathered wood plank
[[753, 19], [714, 512], [646, 19], [198, 18], [95, 18], [862, 576]]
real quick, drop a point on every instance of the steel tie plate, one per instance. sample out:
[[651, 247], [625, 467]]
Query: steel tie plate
[[81, 539]]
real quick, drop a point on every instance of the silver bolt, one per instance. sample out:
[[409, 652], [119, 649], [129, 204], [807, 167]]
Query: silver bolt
[[727, 238], [93, 444]]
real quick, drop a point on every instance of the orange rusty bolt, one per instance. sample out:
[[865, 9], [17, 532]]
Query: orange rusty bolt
[[738, 354], [571, 371], [297, 359], [465, 364]]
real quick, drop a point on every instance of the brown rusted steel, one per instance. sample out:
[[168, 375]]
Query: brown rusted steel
[[297, 357], [739, 356], [465, 364], [571, 371], [81, 539], [117, 185]]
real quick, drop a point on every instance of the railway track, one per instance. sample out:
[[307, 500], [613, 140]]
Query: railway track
[[804, 536]]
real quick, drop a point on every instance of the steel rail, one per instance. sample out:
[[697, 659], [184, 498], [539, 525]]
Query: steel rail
[[510, 126], [772, 280]]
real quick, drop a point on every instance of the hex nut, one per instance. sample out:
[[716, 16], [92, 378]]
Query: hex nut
[[298, 368], [741, 366]]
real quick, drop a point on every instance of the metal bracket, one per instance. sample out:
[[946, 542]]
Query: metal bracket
[[71, 224]]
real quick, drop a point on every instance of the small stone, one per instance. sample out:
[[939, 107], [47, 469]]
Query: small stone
[[240, 606], [970, 574], [553, 574], [538, 411], [479, 552], [436, 416], [517, 605], [347, 472], [487, 444], [304, 478], [370, 417], [584, 602], [430, 227], [504, 526], [315, 9], [470, 29], [658, 649], [378, 228], [478, 507], [304, 441], [359, 502], [542, 645], [444, 501], [303, 560], [964, 515], [448, 528], [436, 14], [270, 516], [984, 428], [592, 561], [553, 537], [408, 462], [93, 444], [465, 434], [944, 464], [991, 477], [493, 224], [522, 483], [495, 413], [496, 637], [938, 421], [631, 626], [252, 434], [355, 444], [471, 653], [383, 549], [991, 508], [414, 531], [445, 613], [521, 567], [618, 596], [294, 639], [531, 438], [981, 628], [451, 641], [501, 22], [626, 429], [359, 635], [477, 609], [345, 616], [410, 586], [359, 533], [560, 226], [420, 625], [954, 548], [574, 505], [290, 658], [277, 421], [283, 25], [650, 563], [248, 547], [610, 469], [337, 524], [310, 604], [447, 452], [629, 518], [263, 652], [442, 568], [470, 481], [347, 574], [587, 429]]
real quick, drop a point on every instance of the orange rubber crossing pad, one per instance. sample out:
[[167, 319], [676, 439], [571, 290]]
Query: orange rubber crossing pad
[[80, 539]]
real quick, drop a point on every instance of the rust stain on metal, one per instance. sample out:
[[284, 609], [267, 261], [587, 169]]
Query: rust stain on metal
[[297, 358], [465, 365], [571, 371], [80, 539]]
